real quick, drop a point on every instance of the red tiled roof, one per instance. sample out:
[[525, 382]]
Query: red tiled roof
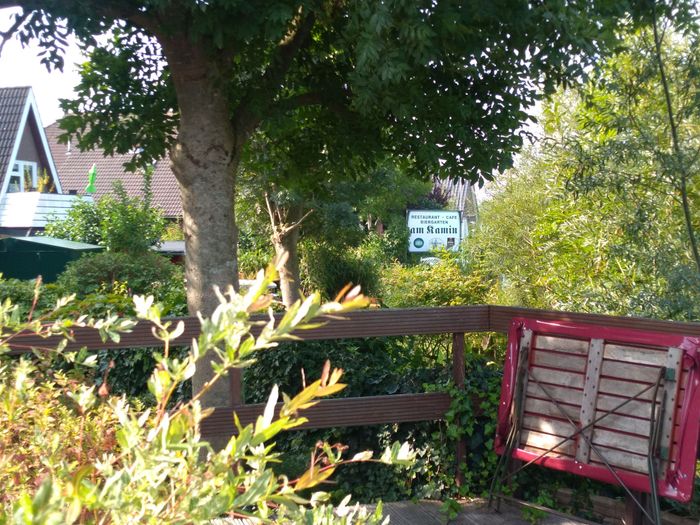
[[73, 165]]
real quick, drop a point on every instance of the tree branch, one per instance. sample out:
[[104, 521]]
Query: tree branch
[[268, 86], [313, 98], [676, 143], [6, 35]]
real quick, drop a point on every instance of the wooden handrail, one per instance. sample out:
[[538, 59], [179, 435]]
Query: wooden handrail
[[377, 323]]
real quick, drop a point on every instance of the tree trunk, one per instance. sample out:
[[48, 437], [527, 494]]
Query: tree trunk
[[285, 239], [204, 160]]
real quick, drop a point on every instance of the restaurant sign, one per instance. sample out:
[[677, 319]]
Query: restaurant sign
[[434, 229]]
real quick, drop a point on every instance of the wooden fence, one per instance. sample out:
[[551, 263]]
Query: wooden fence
[[357, 411]]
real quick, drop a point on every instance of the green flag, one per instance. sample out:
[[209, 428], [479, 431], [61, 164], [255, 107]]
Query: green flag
[[92, 175]]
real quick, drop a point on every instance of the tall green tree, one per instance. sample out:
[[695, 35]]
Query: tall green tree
[[448, 81], [299, 165], [601, 215], [639, 125]]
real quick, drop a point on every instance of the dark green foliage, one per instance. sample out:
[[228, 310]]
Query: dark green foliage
[[447, 83], [388, 366], [127, 372], [392, 246], [254, 250], [22, 293], [148, 273], [327, 268], [82, 224], [376, 366]]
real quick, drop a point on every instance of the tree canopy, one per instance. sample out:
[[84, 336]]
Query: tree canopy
[[596, 212], [447, 83]]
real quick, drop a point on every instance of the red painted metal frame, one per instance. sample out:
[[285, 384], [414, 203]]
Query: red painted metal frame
[[678, 483]]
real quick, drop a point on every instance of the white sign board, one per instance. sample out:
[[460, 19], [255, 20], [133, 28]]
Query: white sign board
[[434, 229]]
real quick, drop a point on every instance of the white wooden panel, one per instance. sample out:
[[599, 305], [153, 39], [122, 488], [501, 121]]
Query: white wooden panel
[[563, 452], [608, 438], [626, 389], [648, 374], [33, 209], [624, 423], [621, 460], [573, 363], [544, 441], [559, 393], [557, 377], [590, 393], [633, 408], [635, 355], [549, 425], [561, 344], [547, 408]]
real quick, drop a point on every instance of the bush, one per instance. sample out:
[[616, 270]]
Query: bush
[[254, 252], [119, 223], [146, 273], [327, 269], [442, 284], [23, 293], [384, 249], [381, 366], [104, 460]]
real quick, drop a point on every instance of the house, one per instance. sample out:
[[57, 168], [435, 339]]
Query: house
[[73, 165], [30, 189]]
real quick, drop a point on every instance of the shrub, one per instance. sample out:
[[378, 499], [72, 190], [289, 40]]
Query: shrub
[[392, 246], [146, 273], [118, 222], [104, 460], [380, 366], [327, 269], [442, 284], [254, 251], [23, 293]]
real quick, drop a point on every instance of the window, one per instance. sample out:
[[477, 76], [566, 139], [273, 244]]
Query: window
[[23, 177]]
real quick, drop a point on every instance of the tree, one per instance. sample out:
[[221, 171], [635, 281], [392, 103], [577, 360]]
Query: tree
[[450, 82], [295, 168], [305, 171], [643, 105], [601, 213]]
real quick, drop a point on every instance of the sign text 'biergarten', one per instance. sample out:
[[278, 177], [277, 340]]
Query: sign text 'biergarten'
[[434, 229]]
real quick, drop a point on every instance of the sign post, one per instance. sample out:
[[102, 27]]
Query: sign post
[[434, 229]]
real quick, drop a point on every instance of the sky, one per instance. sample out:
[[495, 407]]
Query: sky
[[21, 67]]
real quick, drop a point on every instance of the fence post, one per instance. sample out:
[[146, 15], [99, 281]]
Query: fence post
[[235, 376], [458, 376], [633, 514]]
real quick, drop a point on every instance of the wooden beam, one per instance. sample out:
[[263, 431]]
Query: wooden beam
[[361, 324], [347, 412]]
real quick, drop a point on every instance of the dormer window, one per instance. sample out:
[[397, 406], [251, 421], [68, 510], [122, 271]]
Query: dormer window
[[24, 177]]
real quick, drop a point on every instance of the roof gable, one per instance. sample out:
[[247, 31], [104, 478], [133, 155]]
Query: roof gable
[[18, 111], [12, 104], [73, 166]]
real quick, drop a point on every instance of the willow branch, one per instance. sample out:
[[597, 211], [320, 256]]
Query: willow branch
[[676, 143]]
